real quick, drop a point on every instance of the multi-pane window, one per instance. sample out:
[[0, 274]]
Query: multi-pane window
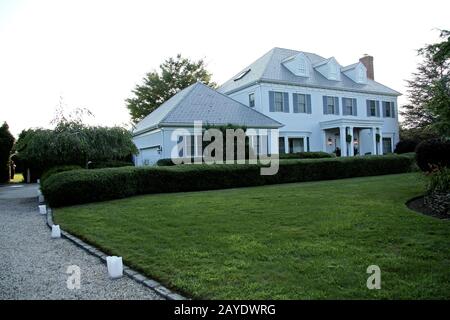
[[372, 110], [251, 100], [278, 101], [330, 105], [302, 67], [388, 109], [301, 101], [348, 106]]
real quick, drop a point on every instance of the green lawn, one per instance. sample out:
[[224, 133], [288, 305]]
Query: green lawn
[[291, 241]]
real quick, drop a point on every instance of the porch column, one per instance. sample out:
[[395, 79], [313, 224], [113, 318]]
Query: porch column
[[343, 142], [304, 144], [374, 141], [286, 145], [352, 146], [324, 140]]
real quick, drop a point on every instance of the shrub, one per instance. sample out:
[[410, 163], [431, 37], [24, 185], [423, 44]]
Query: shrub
[[165, 162], [47, 174], [83, 186], [306, 155], [405, 146], [110, 164], [6, 144], [433, 154], [439, 181]]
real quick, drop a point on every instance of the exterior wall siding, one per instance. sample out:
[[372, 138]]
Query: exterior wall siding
[[308, 125]]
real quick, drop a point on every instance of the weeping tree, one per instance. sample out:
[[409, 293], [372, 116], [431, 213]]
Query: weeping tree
[[72, 143]]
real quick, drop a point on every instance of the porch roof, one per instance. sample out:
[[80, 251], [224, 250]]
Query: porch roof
[[357, 123]]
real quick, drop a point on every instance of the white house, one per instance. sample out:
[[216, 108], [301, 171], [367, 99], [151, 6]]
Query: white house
[[322, 105], [157, 135], [317, 105]]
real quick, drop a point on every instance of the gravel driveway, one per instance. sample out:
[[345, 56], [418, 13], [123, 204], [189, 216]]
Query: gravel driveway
[[33, 266]]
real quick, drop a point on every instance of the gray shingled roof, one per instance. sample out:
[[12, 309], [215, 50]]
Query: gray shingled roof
[[200, 102], [269, 68]]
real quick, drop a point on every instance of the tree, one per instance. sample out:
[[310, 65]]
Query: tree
[[429, 90], [6, 145], [175, 75], [72, 143]]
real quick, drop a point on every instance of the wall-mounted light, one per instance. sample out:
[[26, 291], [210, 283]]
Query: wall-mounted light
[[159, 149], [355, 141]]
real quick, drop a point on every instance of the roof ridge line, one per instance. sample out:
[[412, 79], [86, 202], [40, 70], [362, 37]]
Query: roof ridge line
[[178, 103]]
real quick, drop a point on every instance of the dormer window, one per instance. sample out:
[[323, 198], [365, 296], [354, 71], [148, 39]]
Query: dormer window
[[329, 68], [298, 64], [361, 75], [333, 75], [302, 67]]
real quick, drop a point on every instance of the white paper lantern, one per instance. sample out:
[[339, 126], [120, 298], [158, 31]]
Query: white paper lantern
[[39, 181], [56, 231], [42, 209], [115, 267]]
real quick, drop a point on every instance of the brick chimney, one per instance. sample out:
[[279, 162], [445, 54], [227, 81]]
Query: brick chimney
[[367, 61]]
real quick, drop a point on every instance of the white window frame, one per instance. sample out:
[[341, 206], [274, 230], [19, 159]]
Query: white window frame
[[348, 100], [281, 102], [373, 104], [329, 98], [301, 105]]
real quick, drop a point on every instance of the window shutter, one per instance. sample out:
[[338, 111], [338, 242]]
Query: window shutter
[[325, 105], [295, 102], [354, 107], [377, 108], [344, 108], [286, 102], [336, 105], [271, 101], [384, 108], [368, 107], [308, 104], [393, 109]]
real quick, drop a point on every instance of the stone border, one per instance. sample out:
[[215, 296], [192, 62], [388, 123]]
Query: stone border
[[133, 274]]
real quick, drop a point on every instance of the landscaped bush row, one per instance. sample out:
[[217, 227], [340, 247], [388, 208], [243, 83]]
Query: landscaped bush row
[[306, 155], [57, 169], [298, 155], [83, 186]]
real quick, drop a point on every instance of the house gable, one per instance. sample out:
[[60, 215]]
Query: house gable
[[298, 64], [330, 69]]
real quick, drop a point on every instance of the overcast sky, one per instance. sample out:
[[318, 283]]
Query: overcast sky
[[93, 53]]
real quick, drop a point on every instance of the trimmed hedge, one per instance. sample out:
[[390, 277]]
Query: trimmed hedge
[[47, 174], [110, 164], [307, 155], [83, 186], [165, 162]]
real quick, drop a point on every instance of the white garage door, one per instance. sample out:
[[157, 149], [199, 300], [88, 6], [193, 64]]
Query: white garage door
[[149, 156]]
